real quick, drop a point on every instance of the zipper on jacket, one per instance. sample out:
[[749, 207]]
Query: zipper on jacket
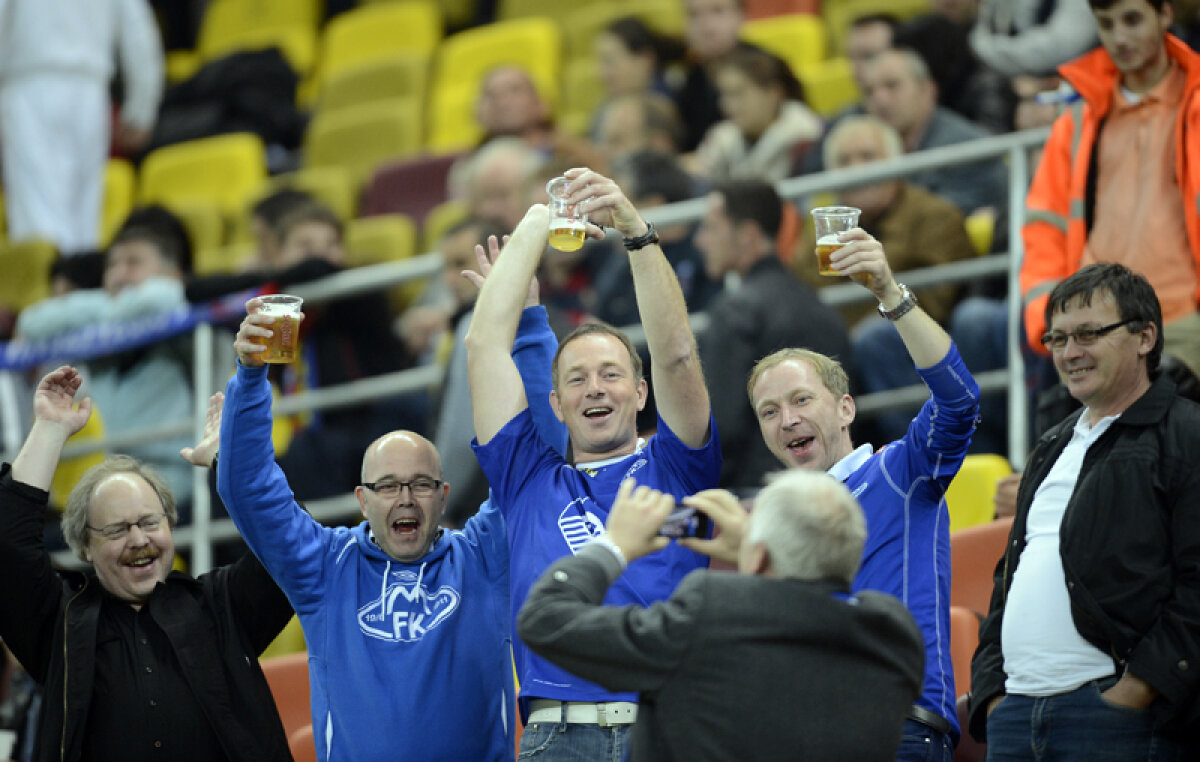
[[62, 741]]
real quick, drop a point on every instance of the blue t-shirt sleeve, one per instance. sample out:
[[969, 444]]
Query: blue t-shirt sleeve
[[513, 458], [533, 352], [694, 469]]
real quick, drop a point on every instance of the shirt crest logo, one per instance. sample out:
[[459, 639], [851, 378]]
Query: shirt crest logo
[[406, 610], [578, 525]]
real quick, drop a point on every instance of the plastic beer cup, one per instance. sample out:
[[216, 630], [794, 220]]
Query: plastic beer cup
[[567, 227], [284, 342], [828, 221]]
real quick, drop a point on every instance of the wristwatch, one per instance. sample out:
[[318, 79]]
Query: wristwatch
[[642, 241], [908, 300]]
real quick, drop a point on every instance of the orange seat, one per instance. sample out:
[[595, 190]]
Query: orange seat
[[288, 678], [303, 745], [964, 638], [974, 552]]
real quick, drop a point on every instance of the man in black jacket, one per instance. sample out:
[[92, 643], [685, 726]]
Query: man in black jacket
[[137, 661], [768, 309], [1091, 650]]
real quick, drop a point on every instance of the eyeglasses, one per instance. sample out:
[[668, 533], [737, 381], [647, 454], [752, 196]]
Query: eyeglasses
[[118, 530], [422, 486], [1083, 335]]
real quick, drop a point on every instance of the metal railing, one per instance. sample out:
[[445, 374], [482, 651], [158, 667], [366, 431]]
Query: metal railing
[[1015, 147]]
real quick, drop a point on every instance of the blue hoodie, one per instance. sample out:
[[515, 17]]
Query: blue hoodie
[[406, 661]]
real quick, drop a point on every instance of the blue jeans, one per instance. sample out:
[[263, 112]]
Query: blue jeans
[[1079, 725], [921, 743], [566, 742]]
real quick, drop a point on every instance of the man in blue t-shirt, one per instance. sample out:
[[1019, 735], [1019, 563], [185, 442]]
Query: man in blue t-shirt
[[554, 506], [804, 409]]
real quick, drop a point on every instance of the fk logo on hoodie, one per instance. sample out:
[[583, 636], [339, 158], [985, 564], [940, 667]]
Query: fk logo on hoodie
[[406, 610]]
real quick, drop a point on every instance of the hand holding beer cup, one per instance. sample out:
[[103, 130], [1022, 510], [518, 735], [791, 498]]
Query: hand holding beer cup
[[604, 203], [862, 258], [270, 332]]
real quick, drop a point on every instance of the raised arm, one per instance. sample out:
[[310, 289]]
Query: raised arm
[[55, 418], [863, 256], [497, 394], [679, 390]]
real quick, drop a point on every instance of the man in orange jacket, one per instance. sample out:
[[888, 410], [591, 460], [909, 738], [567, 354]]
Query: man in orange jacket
[[1119, 179]]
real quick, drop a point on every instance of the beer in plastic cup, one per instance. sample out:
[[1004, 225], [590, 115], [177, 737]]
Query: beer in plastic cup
[[567, 227], [284, 342], [828, 221]]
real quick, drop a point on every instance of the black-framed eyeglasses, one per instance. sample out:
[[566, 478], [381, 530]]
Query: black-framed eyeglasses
[[422, 486], [1083, 335], [119, 529]]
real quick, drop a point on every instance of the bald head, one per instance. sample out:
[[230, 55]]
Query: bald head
[[401, 447]]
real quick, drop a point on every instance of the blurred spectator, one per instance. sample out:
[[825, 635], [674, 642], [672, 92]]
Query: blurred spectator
[[898, 89], [632, 123], [140, 388], [56, 62], [163, 221], [265, 216], [963, 84], [631, 57], [491, 181], [1032, 36], [712, 31], [917, 229], [767, 127], [765, 308], [509, 105], [868, 36]]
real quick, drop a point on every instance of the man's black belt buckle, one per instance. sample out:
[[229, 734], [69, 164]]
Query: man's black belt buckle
[[932, 719]]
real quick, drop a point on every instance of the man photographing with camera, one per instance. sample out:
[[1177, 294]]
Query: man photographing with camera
[[781, 647]]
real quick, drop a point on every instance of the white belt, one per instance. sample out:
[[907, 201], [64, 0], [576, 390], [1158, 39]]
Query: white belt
[[583, 712]]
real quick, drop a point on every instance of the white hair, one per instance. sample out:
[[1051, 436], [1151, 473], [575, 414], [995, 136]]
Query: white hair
[[810, 525], [893, 146]]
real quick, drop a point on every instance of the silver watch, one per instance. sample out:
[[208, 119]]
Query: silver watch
[[908, 300]]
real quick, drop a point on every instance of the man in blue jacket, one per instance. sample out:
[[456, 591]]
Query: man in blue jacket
[[407, 624], [804, 410]]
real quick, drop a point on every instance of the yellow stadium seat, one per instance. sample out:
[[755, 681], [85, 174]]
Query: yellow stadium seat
[[290, 640], [225, 169], [582, 92], [230, 258], [401, 75], [181, 64], [359, 138], [798, 38], [439, 220], [120, 183], [383, 238], [840, 14], [970, 495], [981, 228], [71, 470], [829, 86], [378, 31], [298, 44], [25, 272], [464, 59], [224, 19], [205, 222]]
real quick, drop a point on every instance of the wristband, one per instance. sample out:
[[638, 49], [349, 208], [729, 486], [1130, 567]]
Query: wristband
[[642, 241]]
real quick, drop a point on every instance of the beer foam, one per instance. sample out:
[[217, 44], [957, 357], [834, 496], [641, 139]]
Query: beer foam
[[829, 240]]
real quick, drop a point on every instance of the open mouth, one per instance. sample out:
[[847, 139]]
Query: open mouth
[[597, 413], [141, 561], [1078, 372], [406, 526], [800, 445]]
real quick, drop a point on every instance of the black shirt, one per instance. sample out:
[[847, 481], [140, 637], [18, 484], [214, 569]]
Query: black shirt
[[142, 707]]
